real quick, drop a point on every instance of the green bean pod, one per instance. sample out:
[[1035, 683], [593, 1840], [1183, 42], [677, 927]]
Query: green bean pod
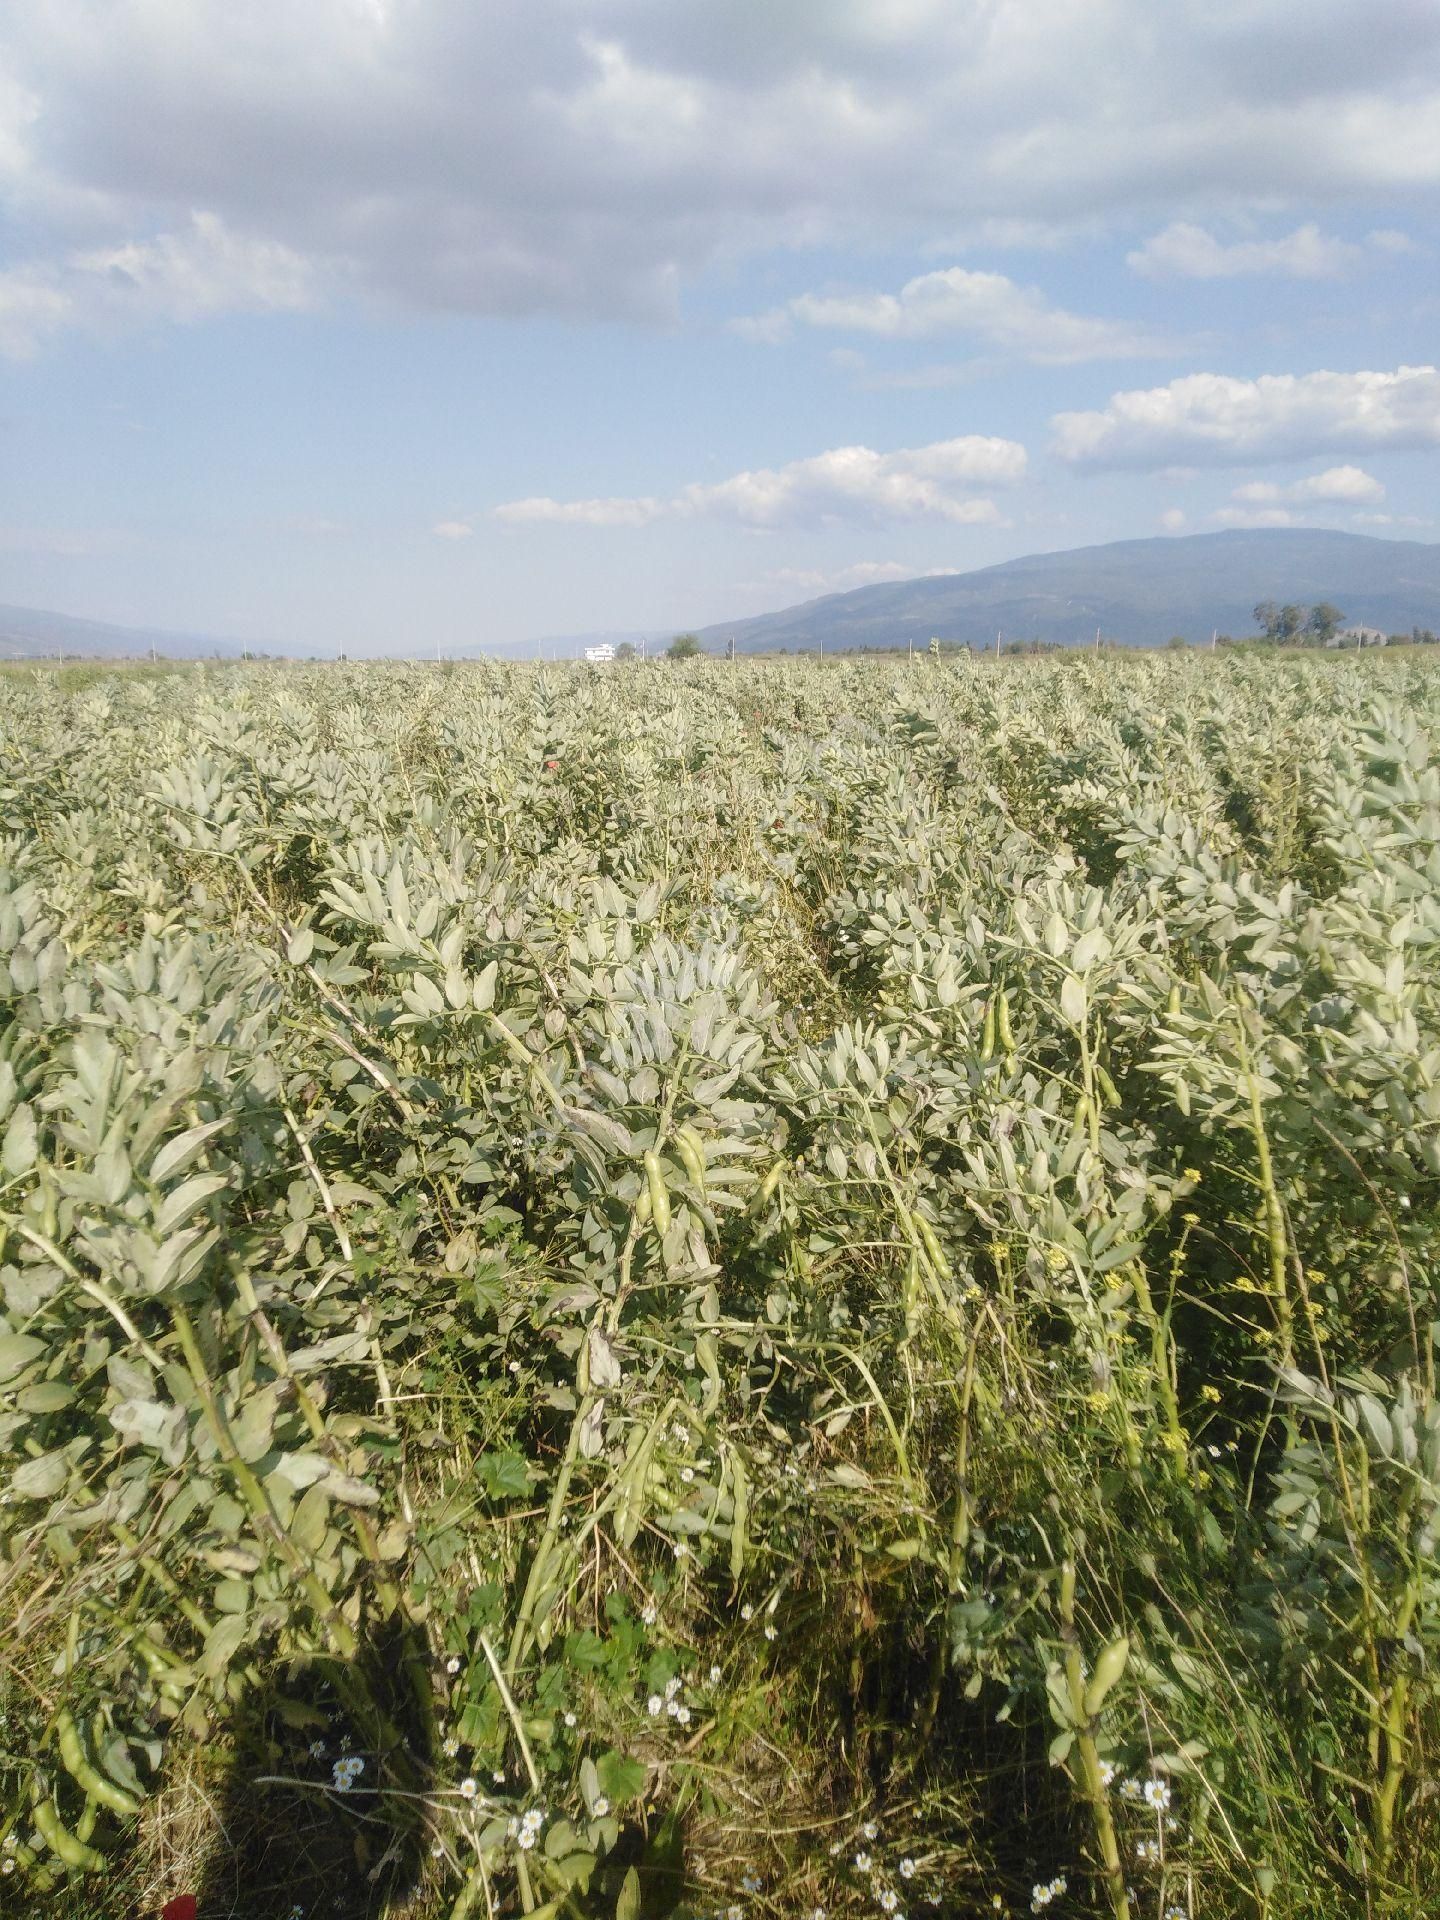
[[69, 1851], [768, 1185], [932, 1247], [692, 1151], [659, 1197], [91, 1782]]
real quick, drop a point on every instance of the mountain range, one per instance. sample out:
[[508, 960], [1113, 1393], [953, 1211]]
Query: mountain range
[[28, 633], [1135, 592]]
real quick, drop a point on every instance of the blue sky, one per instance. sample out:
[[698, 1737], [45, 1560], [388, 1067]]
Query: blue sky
[[384, 324]]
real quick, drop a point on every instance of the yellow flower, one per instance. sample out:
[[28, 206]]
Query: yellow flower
[[1172, 1442], [1192, 1173], [1099, 1399], [1212, 1394], [1245, 1285]]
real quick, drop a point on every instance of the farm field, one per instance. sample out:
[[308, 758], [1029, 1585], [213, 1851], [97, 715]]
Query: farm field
[[800, 1289]]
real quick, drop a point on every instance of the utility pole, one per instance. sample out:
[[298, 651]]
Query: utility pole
[[1097, 639], [732, 650]]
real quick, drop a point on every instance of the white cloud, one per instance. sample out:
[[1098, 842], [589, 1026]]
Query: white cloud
[[509, 159], [1340, 486], [1389, 240], [203, 270], [763, 329], [1393, 520], [1255, 517], [845, 483], [453, 529], [582, 513], [1193, 253], [1215, 419], [955, 300], [1173, 519]]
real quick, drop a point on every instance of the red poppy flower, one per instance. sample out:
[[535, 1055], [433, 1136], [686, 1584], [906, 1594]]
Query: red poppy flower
[[182, 1907], [550, 765]]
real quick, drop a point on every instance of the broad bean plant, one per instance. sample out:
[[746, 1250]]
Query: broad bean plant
[[783, 1288]]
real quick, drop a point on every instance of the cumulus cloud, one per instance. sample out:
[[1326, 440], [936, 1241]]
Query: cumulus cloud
[[1255, 517], [453, 529], [989, 306], [1214, 419], [1173, 519], [1338, 486], [509, 159], [1193, 253], [200, 271], [845, 483]]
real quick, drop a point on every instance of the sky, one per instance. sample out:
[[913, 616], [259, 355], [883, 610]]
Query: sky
[[383, 325]]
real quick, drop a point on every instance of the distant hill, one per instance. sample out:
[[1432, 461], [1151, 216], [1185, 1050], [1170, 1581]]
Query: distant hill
[[1137, 592], [27, 633]]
